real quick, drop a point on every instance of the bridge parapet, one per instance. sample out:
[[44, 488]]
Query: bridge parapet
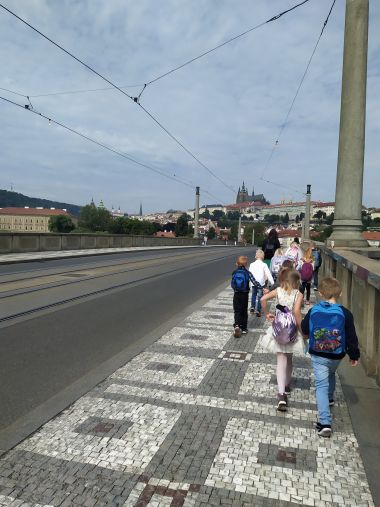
[[359, 273]]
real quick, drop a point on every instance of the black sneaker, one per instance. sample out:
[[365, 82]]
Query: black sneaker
[[252, 310], [316, 289], [244, 331], [282, 402], [237, 332], [323, 430], [331, 403]]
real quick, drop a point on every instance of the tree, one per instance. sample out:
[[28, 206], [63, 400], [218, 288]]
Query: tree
[[205, 214], [330, 219], [94, 219], [259, 229], [297, 218], [320, 215], [233, 215], [61, 223], [233, 235], [211, 233], [272, 219], [182, 226], [285, 218], [217, 215]]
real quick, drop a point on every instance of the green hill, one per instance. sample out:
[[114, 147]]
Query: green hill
[[16, 200]]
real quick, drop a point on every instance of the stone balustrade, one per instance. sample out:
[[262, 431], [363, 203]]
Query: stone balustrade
[[359, 273]]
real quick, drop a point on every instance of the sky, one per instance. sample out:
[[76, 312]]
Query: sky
[[226, 108]]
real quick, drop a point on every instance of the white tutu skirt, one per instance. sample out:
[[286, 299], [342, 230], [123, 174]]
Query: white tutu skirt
[[269, 344]]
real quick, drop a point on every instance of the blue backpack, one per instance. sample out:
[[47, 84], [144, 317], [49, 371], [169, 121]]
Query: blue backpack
[[240, 280], [327, 329]]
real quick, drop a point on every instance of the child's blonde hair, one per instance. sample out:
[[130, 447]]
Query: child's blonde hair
[[242, 260], [259, 254], [308, 255], [279, 252], [330, 288], [289, 279]]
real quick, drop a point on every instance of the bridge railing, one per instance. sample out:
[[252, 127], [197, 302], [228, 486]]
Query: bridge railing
[[359, 275]]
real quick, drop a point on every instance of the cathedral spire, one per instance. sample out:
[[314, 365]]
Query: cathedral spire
[[141, 209]]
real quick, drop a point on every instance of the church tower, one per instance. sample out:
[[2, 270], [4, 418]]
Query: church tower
[[141, 213]]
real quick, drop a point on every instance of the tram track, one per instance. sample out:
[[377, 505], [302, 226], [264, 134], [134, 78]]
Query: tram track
[[104, 290], [83, 277]]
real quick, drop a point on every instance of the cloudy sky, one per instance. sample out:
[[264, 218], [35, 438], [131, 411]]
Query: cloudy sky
[[226, 108]]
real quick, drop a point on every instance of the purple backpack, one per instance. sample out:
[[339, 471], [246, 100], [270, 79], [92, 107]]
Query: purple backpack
[[306, 271], [284, 326]]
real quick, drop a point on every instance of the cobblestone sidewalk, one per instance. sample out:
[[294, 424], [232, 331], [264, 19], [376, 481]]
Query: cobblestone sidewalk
[[191, 422]]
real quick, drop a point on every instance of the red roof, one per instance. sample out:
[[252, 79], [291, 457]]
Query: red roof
[[45, 212], [164, 234], [371, 235]]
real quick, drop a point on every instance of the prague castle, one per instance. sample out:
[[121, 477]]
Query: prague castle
[[243, 196]]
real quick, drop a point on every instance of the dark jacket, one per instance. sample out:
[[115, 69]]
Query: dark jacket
[[270, 246], [352, 343]]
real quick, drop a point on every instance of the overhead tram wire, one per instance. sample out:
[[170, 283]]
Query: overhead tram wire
[[137, 99], [284, 123], [178, 67], [98, 143], [134, 99]]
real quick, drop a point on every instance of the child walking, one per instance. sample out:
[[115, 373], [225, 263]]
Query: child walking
[[240, 284], [331, 331], [306, 272], [261, 274], [287, 294]]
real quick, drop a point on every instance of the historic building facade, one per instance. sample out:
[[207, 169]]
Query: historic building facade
[[28, 219], [244, 196]]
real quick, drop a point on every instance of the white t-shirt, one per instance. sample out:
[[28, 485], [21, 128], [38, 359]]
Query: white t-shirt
[[260, 272]]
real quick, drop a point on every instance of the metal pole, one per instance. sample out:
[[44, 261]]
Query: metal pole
[[196, 214], [307, 214], [347, 225], [239, 228]]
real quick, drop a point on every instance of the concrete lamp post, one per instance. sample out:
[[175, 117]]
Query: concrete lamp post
[[196, 214], [347, 225]]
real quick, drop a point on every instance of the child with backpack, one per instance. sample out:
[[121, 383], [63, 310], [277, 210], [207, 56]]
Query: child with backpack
[[331, 331], [276, 262], [283, 338], [306, 273], [294, 254], [240, 284], [262, 275], [317, 264]]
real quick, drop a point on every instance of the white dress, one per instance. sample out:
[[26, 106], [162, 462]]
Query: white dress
[[269, 343]]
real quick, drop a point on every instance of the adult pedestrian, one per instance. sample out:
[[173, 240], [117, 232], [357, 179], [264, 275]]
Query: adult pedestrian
[[270, 245]]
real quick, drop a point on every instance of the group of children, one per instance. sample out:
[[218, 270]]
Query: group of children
[[328, 328]]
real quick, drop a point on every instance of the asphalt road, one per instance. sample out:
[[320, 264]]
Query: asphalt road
[[67, 324]]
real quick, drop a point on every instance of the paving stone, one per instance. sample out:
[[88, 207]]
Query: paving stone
[[189, 422]]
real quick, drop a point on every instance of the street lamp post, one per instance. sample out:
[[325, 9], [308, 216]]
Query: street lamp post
[[196, 214]]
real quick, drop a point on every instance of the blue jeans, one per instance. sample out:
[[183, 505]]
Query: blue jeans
[[324, 374], [257, 292]]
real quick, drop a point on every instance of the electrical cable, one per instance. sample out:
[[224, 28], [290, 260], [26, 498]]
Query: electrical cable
[[232, 39], [98, 143], [171, 71], [284, 123], [134, 99]]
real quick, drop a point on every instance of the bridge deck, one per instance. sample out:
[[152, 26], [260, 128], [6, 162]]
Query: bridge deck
[[191, 421]]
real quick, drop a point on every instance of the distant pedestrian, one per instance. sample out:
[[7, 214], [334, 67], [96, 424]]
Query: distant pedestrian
[[240, 284], [262, 275], [270, 245], [294, 254], [306, 272], [283, 338], [277, 262], [331, 331], [317, 264]]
